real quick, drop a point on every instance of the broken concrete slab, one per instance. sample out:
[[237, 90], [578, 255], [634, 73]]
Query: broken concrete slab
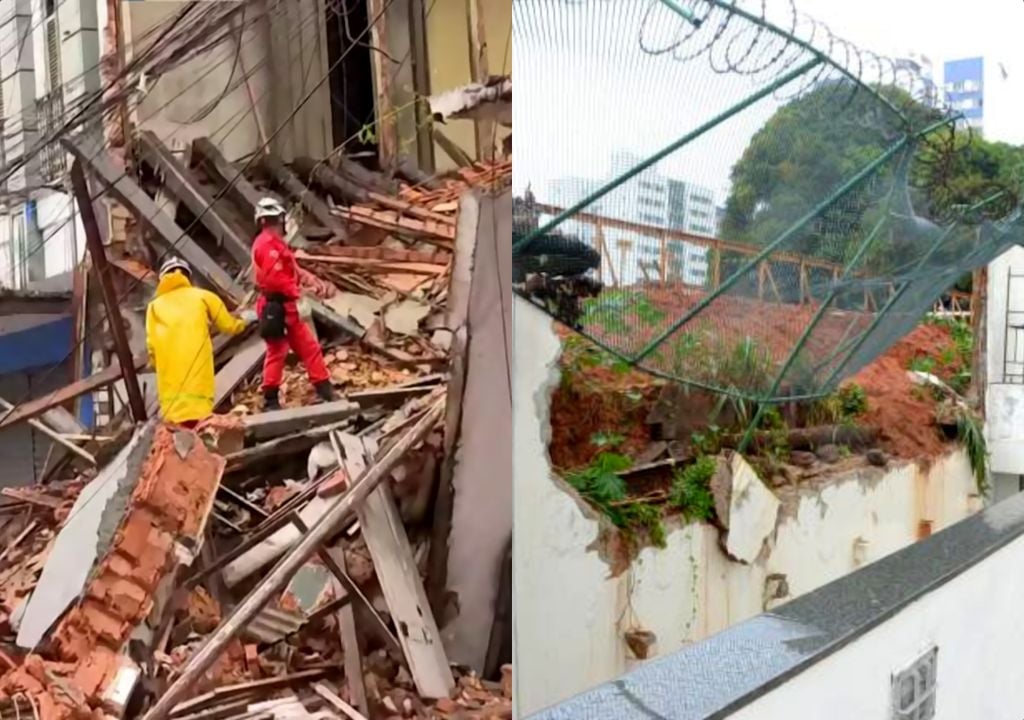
[[361, 308], [753, 511], [91, 525], [404, 318], [280, 422]]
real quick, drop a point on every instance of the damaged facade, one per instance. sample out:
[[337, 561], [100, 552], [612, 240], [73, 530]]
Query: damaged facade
[[323, 559]]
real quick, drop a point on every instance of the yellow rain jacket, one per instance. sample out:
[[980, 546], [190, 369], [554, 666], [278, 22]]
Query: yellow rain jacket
[[178, 340]]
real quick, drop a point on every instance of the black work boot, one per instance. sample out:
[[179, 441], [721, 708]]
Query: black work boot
[[271, 400], [325, 391]]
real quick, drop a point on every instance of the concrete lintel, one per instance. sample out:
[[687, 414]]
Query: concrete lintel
[[280, 422]]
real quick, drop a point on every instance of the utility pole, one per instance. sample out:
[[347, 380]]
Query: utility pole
[[99, 262]]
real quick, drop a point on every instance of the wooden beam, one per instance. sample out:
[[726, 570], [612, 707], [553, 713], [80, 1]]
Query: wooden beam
[[302, 194], [279, 447], [240, 187], [113, 304], [142, 206], [478, 68], [196, 197], [340, 187], [53, 435], [421, 84], [387, 128], [35, 408]]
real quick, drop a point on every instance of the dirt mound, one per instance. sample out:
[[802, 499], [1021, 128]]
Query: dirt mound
[[596, 399], [904, 416]]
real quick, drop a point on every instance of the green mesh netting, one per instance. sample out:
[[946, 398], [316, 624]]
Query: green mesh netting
[[737, 201]]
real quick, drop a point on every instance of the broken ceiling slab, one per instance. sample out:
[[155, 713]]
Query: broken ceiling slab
[[753, 511], [281, 422], [404, 318], [361, 308], [90, 527]]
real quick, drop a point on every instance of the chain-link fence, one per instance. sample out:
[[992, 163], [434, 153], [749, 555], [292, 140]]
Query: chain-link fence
[[738, 200]]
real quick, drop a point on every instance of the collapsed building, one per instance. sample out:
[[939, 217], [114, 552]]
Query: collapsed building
[[341, 559]]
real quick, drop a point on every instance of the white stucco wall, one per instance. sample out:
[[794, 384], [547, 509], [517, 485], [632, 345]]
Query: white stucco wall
[[571, 616], [975, 679], [1004, 404]]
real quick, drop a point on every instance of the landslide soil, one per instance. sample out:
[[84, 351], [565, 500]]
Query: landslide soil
[[595, 399]]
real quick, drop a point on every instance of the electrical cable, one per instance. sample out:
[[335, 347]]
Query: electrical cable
[[221, 193], [71, 201]]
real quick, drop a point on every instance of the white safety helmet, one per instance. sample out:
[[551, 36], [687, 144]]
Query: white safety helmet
[[269, 207], [175, 263]]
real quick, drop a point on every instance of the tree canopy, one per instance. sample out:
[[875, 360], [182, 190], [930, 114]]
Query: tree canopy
[[815, 143]]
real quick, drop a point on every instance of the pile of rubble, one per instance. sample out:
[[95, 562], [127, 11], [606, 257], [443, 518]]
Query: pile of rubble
[[266, 564]]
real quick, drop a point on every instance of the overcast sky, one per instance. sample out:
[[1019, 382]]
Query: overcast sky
[[587, 90]]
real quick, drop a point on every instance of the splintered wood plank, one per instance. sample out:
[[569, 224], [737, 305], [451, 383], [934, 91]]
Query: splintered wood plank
[[391, 220], [350, 639], [403, 590], [34, 408]]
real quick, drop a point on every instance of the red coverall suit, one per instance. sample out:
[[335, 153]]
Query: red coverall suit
[[277, 272]]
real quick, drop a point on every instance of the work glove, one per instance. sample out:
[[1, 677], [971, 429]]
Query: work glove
[[248, 316]]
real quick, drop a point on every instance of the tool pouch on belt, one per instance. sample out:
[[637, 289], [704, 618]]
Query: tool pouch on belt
[[272, 325]]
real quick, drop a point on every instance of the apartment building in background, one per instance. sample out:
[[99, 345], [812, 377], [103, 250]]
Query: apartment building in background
[[652, 199], [964, 87]]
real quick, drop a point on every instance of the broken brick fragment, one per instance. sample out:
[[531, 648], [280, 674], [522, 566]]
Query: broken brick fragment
[[169, 506]]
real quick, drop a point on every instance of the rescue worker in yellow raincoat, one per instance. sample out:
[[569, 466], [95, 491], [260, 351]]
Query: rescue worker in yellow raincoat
[[178, 340]]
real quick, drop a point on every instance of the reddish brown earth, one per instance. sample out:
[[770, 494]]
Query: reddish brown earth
[[905, 418], [600, 400]]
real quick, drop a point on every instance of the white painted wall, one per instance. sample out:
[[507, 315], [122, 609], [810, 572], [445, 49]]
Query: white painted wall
[[571, 616], [975, 679], [1004, 404], [62, 231]]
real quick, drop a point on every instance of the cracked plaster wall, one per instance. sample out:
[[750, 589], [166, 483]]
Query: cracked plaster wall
[[571, 615]]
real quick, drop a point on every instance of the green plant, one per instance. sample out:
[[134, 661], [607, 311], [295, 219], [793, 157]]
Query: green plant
[[853, 400], [616, 310], [646, 516], [600, 483], [972, 436], [844, 451], [607, 439], [922, 364], [691, 491], [708, 442]]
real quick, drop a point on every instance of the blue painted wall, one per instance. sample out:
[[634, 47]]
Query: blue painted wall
[[41, 345]]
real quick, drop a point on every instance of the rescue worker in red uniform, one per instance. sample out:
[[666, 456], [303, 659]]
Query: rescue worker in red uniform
[[277, 278]]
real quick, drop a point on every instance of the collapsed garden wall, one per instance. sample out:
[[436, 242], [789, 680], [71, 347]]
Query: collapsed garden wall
[[590, 623]]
